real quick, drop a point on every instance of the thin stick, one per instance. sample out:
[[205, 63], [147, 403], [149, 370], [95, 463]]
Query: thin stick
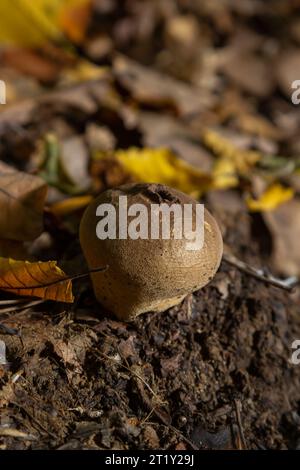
[[148, 416], [12, 302], [237, 406], [287, 284], [21, 307], [11, 432], [59, 281]]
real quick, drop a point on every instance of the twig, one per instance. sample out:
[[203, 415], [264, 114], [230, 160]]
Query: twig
[[237, 406], [20, 307], [287, 284], [10, 432], [13, 302], [148, 416]]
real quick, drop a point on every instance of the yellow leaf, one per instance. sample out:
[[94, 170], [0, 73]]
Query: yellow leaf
[[70, 205], [224, 174], [273, 197], [162, 166], [84, 71], [243, 160], [33, 22], [41, 279]]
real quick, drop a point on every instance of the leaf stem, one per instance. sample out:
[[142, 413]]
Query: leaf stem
[[287, 284]]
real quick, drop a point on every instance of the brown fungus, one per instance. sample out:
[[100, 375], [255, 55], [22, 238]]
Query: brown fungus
[[147, 275]]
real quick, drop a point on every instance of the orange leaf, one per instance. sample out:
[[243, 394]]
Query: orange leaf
[[74, 19], [41, 279]]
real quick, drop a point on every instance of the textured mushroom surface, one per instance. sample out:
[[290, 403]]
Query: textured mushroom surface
[[146, 275]]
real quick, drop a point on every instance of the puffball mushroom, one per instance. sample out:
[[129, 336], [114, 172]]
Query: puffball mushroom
[[147, 274]]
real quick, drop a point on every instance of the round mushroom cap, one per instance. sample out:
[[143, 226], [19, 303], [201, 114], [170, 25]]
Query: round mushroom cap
[[147, 275]]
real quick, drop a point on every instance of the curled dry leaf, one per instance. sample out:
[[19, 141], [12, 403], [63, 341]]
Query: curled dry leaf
[[41, 279], [22, 198]]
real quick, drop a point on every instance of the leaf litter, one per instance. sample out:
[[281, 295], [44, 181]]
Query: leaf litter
[[215, 371]]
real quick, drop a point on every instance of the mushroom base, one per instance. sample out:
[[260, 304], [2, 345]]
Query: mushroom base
[[127, 311]]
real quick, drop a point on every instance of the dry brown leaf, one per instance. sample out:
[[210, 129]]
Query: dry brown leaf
[[166, 131], [31, 63], [41, 279], [152, 87], [83, 96], [72, 353], [251, 73], [284, 224], [151, 438], [6, 394], [22, 198]]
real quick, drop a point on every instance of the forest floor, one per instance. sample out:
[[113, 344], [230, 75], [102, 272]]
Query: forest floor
[[214, 372]]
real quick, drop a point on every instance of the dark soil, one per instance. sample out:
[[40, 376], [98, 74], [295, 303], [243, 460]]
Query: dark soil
[[213, 372]]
